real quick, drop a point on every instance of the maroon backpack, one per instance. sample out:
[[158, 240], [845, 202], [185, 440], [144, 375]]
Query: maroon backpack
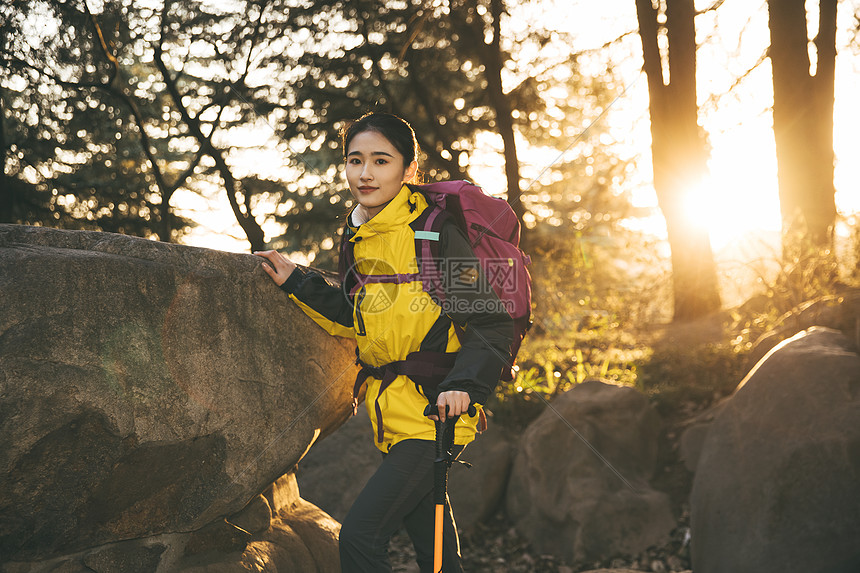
[[493, 231]]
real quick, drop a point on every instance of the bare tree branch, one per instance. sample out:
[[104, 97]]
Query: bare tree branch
[[713, 100], [245, 218], [166, 190], [711, 8]]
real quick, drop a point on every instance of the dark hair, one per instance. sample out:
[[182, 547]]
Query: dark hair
[[394, 129]]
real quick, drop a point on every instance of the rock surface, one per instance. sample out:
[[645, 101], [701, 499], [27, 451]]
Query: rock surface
[[777, 478], [335, 470], [297, 536], [566, 500], [476, 493], [148, 389], [694, 433]]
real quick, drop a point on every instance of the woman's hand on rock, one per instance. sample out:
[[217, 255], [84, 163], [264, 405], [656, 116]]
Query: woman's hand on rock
[[277, 266]]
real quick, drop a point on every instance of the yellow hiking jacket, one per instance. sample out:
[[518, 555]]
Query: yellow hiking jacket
[[388, 321]]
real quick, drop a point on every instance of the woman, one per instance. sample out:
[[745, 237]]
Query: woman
[[391, 320]]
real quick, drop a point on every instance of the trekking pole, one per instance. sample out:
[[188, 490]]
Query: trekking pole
[[444, 460]]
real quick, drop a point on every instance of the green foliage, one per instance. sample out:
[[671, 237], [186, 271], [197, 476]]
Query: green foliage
[[682, 378], [78, 128], [806, 270], [429, 65], [590, 303], [787, 282], [118, 133], [595, 319], [400, 57], [72, 158], [550, 365]]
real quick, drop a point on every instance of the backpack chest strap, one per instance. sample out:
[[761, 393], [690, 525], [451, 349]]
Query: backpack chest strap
[[426, 249], [398, 278]]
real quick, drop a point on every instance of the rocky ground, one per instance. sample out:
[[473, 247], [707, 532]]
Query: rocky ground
[[496, 547]]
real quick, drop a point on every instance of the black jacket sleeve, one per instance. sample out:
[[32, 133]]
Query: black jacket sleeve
[[472, 303], [326, 303]]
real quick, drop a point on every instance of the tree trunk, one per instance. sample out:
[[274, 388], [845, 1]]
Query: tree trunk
[[474, 27], [5, 189], [803, 122], [679, 155], [505, 125], [502, 107]]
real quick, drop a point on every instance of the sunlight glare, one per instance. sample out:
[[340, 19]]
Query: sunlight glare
[[740, 195], [707, 206]]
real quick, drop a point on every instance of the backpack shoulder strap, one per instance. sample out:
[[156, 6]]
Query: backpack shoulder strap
[[428, 235]]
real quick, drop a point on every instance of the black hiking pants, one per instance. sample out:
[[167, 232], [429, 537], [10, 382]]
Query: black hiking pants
[[400, 492]]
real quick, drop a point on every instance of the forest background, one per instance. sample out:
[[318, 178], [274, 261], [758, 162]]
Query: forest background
[[673, 162]]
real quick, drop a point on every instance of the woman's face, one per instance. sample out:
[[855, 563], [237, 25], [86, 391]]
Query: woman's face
[[374, 170]]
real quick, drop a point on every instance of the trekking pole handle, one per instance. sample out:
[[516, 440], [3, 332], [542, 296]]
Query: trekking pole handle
[[433, 409]]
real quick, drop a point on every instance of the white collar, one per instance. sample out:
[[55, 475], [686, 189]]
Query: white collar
[[358, 216]]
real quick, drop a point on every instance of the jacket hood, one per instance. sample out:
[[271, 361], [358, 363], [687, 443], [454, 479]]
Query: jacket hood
[[401, 210]]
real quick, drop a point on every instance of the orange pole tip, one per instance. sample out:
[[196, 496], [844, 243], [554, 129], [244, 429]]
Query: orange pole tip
[[437, 547]]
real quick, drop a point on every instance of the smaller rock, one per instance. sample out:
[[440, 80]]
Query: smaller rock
[[580, 508], [283, 493], [674, 563], [477, 492], [254, 517], [528, 558], [285, 547], [318, 531], [218, 537], [335, 469]]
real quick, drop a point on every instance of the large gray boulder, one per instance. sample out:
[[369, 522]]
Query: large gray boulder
[[776, 485], [579, 488], [147, 389]]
